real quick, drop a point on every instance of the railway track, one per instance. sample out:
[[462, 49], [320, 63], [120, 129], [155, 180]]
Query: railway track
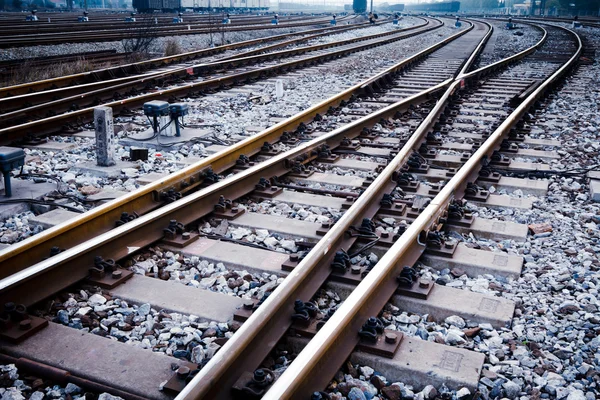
[[147, 29], [78, 109], [415, 161], [161, 62], [177, 67]]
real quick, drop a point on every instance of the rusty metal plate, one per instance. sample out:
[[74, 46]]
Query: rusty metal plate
[[464, 221], [180, 242], [493, 178], [328, 160], [177, 383], [411, 187], [417, 290], [244, 312], [303, 174], [267, 193], [229, 213], [110, 281], [481, 196], [447, 249], [382, 347], [397, 209], [14, 334]]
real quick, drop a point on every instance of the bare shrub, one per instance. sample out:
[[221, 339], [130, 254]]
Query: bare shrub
[[172, 48], [140, 36]]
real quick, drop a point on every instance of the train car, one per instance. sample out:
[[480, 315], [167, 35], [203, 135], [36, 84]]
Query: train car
[[144, 6], [445, 7], [396, 7]]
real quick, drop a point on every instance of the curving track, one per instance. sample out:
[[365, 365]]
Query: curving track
[[408, 127]]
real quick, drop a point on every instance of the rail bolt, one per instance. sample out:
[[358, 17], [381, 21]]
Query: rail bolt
[[355, 269], [116, 274], [390, 337], [25, 324], [183, 372], [424, 283]]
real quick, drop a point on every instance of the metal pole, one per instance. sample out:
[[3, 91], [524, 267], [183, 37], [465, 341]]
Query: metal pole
[[371, 5]]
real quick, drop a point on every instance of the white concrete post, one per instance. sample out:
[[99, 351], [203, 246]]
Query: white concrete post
[[105, 136]]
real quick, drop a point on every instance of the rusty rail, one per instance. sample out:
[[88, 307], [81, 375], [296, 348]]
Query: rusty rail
[[62, 99], [56, 123], [305, 374], [137, 67]]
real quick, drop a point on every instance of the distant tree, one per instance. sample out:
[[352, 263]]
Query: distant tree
[[18, 4]]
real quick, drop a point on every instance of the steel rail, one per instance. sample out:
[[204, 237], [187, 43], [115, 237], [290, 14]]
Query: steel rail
[[95, 26], [7, 43], [98, 223], [38, 102], [500, 63], [244, 351], [53, 124], [137, 67], [301, 377]]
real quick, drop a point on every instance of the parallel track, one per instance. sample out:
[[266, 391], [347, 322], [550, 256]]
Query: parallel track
[[490, 93]]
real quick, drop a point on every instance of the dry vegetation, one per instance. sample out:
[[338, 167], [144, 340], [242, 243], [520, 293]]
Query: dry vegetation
[[29, 72]]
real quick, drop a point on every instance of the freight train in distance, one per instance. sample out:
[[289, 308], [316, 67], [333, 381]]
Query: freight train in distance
[[200, 5], [445, 7]]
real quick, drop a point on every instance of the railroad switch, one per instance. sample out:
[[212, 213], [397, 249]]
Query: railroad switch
[[107, 274], [10, 158], [16, 325], [374, 339]]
